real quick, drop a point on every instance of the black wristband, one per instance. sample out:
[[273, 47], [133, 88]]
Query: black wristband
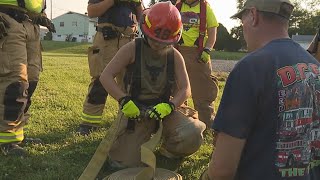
[[122, 101], [173, 107], [207, 50]]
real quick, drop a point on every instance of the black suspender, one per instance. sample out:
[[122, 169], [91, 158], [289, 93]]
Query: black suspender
[[21, 3]]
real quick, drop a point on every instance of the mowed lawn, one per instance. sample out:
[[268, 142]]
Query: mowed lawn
[[56, 108]]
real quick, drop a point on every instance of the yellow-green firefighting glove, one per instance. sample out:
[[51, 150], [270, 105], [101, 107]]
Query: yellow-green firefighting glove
[[128, 107], [161, 110], [205, 55]]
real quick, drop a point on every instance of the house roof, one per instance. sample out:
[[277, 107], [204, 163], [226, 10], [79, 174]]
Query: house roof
[[302, 38], [84, 15]]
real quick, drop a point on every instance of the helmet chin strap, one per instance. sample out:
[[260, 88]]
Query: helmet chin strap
[[145, 39]]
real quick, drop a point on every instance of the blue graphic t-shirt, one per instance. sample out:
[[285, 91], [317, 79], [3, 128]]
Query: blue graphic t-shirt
[[272, 99]]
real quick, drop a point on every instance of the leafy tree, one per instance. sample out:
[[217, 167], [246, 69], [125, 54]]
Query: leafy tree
[[304, 20], [223, 37], [237, 35], [48, 36], [225, 41]]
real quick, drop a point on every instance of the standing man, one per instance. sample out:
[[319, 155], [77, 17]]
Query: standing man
[[198, 38], [117, 25], [268, 118], [20, 64]]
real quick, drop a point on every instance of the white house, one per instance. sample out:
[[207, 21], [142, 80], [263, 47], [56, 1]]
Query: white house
[[43, 32], [303, 40], [75, 27]]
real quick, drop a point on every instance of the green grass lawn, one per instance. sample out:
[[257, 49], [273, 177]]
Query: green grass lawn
[[56, 109]]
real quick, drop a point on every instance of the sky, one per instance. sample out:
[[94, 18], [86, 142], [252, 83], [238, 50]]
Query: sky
[[223, 9]]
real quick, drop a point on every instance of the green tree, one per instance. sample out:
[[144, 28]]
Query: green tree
[[223, 37], [305, 19], [225, 41], [48, 36], [237, 34]]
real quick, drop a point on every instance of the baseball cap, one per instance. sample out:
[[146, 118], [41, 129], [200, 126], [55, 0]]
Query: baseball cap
[[282, 8]]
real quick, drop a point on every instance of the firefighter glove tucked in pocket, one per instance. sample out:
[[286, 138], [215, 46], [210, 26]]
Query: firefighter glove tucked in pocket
[[205, 56], [161, 110], [128, 107]]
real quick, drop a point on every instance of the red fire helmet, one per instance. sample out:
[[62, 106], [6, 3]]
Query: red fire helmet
[[162, 22]]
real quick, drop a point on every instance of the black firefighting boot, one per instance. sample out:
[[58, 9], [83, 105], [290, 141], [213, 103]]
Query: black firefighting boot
[[12, 149], [85, 130]]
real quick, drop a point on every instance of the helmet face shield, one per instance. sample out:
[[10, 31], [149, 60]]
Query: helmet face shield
[[162, 23]]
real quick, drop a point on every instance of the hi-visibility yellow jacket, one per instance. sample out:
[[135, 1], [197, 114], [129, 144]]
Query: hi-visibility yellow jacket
[[35, 6]]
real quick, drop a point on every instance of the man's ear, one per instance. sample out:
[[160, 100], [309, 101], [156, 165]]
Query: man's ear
[[254, 15]]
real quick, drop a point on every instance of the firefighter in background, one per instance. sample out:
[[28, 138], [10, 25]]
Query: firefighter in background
[[198, 38], [37, 19], [20, 64], [152, 68], [117, 25]]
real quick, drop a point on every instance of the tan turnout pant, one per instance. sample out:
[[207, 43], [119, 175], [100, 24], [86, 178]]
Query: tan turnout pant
[[99, 55], [20, 65], [182, 136], [204, 87]]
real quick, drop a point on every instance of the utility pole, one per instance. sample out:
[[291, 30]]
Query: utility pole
[[51, 9]]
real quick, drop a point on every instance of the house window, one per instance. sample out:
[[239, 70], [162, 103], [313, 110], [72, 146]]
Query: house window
[[59, 35], [61, 24], [74, 23], [80, 35]]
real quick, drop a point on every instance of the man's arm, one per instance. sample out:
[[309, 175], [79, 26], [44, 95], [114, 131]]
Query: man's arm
[[225, 159], [212, 25], [182, 79], [97, 9], [119, 62], [212, 36]]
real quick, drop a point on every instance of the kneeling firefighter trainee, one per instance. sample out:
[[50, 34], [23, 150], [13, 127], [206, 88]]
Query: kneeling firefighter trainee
[[153, 67], [117, 25], [21, 64]]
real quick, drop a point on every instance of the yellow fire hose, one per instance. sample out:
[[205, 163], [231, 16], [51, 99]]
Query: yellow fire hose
[[101, 154], [142, 173], [147, 157]]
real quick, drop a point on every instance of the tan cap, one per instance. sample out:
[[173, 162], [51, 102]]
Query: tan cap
[[282, 8]]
